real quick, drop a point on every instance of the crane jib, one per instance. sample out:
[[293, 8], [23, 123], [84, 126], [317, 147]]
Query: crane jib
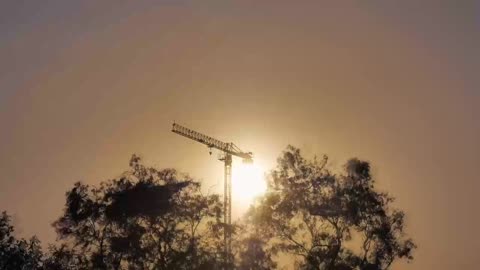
[[229, 148]]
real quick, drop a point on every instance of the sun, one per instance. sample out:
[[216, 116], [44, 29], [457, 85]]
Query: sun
[[248, 182]]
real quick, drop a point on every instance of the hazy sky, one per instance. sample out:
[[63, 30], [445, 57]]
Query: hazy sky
[[84, 84]]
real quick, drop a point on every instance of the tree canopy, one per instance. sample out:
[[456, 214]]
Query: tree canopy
[[150, 218], [17, 253], [330, 221], [146, 219]]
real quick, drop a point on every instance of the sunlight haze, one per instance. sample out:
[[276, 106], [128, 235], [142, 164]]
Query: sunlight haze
[[86, 84], [248, 182]]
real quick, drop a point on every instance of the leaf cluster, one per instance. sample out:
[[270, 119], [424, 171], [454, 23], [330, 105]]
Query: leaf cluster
[[330, 221]]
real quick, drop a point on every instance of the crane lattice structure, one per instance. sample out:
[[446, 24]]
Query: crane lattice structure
[[228, 150]]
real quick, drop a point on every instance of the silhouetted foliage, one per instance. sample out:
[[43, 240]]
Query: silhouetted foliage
[[146, 219], [63, 257], [159, 219], [254, 254], [17, 253], [317, 216]]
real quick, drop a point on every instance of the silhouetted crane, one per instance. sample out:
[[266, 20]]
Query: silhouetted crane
[[228, 150]]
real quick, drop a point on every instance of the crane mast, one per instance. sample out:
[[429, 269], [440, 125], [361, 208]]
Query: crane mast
[[228, 151]]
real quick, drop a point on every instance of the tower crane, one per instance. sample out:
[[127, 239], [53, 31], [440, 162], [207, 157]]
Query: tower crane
[[228, 150]]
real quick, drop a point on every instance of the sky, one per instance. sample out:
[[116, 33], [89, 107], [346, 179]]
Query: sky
[[85, 84]]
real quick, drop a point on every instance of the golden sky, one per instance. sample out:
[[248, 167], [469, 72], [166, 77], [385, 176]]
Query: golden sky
[[85, 84]]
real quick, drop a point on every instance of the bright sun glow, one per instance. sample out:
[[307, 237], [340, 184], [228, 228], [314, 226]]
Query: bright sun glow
[[248, 182]]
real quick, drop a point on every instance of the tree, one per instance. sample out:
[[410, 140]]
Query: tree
[[159, 219], [63, 257], [254, 255], [146, 219], [318, 216], [17, 253]]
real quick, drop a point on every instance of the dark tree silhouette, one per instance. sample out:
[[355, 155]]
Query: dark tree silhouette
[[330, 221], [159, 219], [17, 253], [63, 257], [146, 219], [253, 254]]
